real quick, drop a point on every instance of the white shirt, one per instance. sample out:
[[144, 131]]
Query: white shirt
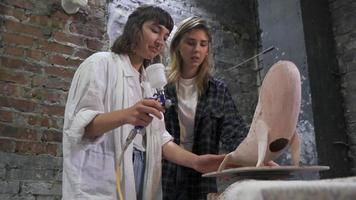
[[187, 102], [102, 84]]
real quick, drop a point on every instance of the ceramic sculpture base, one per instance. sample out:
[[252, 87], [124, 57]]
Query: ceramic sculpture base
[[229, 176], [265, 172]]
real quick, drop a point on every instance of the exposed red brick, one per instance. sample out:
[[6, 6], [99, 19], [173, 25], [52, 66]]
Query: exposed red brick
[[38, 120], [63, 37], [35, 54], [51, 136], [55, 97], [19, 104], [93, 29], [4, 102], [6, 116], [50, 82], [80, 18], [11, 39], [8, 89], [60, 71], [15, 77], [56, 47], [94, 44], [7, 145], [13, 12], [33, 83], [24, 105], [43, 120], [56, 122], [46, 21], [84, 53], [14, 26], [27, 134], [47, 96], [36, 148], [20, 3], [11, 63], [62, 85], [53, 110], [18, 132], [14, 51], [38, 81], [20, 64], [60, 15], [60, 60]]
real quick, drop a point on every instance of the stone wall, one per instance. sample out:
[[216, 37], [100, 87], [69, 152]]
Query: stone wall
[[343, 14], [282, 27]]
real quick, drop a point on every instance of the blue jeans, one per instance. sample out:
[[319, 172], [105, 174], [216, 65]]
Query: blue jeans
[[138, 158]]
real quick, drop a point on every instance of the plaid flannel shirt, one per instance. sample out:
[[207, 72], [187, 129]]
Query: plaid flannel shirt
[[218, 126]]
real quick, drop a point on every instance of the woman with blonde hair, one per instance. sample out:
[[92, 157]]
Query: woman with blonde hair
[[203, 117]]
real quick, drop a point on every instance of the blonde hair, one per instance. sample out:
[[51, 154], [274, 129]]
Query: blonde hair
[[175, 66]]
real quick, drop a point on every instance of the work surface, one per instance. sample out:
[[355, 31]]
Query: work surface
[[275, 183], [327, 189]]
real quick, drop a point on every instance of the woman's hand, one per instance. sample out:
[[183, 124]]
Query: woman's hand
[[271, 163], [141, 114], [207, 163]]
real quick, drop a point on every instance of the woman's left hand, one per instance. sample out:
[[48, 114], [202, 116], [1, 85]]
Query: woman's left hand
[[208, 163]]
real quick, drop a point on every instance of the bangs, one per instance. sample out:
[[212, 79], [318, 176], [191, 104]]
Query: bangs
[[161, 17], [165, 21]]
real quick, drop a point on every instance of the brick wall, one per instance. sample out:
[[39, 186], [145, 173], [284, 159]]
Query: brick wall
[[41, 47], [343, 14]]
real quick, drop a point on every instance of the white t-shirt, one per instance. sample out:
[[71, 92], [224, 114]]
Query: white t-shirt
[[187, 94]]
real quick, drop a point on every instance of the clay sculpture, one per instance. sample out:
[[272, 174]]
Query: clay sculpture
[[273, 127]]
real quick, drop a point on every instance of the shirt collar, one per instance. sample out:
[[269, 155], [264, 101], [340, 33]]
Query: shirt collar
[[129, 70]]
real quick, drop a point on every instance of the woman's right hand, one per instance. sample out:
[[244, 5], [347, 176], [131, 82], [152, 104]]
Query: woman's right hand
[[141, 114]]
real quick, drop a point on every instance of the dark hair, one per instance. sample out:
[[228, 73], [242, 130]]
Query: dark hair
[[129, 38]]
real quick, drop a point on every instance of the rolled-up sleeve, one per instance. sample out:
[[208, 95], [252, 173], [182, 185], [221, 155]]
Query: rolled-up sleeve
[[85, 100], [160, 127], [166, 137]]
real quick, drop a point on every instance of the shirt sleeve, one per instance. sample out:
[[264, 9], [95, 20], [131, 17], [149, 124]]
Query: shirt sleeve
[[85, 100], [166, 137], [161, 128]]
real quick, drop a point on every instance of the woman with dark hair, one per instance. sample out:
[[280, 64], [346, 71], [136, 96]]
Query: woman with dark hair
[[105, 102], [203, 117]]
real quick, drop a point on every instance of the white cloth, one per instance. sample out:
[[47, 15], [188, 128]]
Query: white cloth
[[327, 189], [187, 103], [101, 84]]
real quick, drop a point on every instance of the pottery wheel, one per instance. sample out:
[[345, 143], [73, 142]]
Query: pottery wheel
[[265, 172]]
